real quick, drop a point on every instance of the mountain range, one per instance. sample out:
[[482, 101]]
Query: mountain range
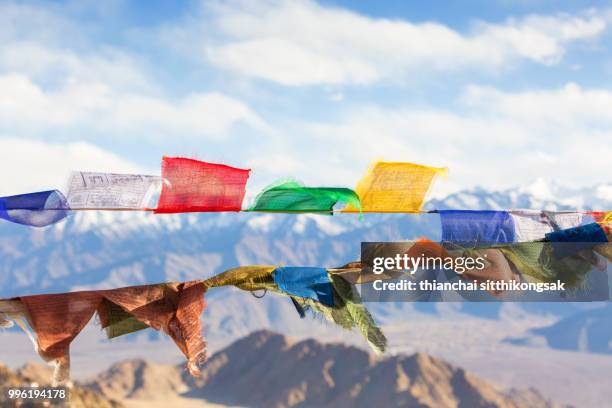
[[266, 369], [32, 375]]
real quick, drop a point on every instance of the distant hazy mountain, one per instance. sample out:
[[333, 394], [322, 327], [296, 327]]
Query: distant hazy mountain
[[40, 375], [539, 195], [266, 369], [587, 331]]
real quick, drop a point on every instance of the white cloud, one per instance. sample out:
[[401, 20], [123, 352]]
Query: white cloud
[[46, 63], [28, 165], [570, 105], [55, 76], [46, 44], [18, 19], [541, 38], [210, 114], [24, 105], [304, 43], [496, 139]]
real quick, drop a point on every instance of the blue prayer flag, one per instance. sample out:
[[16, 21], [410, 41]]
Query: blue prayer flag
[[306, 282], [35, 209], [477, 227], [573, 240]]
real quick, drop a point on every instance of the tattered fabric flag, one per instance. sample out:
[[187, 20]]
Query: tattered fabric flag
[[308, 290], [13, 311], [605, 250], [249, 278], [117, 321], [395, 187], [34, 209], [56, 320], [347, 298], [347, 315], [109, 191], [347, 312], [291, 196], [196, 186], [536, 262], [573, 240], [533, 225], [298, 307], [305, 282], [528, 259], [584, 233], [174, 308], [476, 227]]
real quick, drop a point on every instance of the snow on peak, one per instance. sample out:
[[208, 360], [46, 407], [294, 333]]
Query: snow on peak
[[261, 223], [326, 224], [540, 189]]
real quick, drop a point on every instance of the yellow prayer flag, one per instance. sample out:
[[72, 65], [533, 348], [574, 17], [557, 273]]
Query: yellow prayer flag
[[395, 187]]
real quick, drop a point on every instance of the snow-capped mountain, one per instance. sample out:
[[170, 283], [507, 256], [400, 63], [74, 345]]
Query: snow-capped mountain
[[540, 195]]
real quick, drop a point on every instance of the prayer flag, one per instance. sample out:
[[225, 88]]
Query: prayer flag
[[540, 262], [34, 209], [291, 196], [196, 186], [583, 233], [395, 187], [305, 282], [174, 308], [605, 250], [476, 227], [573, 240], [603, 217], [533, 225], [87, 190]]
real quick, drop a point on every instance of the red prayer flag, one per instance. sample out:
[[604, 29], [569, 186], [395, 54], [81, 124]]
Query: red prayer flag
[[601, 216], [195, 186]]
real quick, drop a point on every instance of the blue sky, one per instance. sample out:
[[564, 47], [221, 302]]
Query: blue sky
[[501, 92]]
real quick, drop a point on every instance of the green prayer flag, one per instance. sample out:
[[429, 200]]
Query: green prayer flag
[[291, 196], [348, 312], [121, 322]]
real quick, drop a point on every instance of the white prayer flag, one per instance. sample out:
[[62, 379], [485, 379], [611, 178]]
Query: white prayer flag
[[88, 190], [533, 225]]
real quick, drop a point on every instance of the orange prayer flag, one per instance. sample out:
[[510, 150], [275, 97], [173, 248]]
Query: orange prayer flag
[[175, 308]]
